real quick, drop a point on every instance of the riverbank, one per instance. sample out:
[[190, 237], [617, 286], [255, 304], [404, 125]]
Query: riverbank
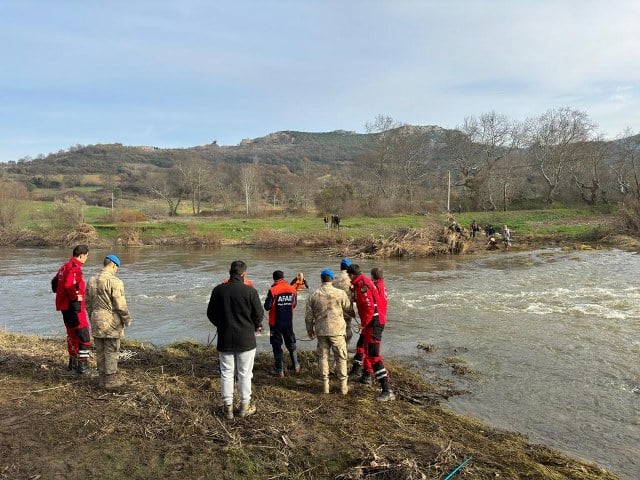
[[407, 236], [165, 423]]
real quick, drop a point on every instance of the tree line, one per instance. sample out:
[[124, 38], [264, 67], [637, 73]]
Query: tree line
[[490, 162]]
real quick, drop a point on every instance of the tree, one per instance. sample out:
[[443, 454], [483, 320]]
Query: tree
[[249, 182], [554, 140], [195, 176], [169, 187], [12, 195], [626, 163]]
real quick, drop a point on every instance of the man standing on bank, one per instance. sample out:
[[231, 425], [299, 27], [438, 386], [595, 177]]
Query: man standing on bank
[[343, 282], [367, 300], [69, 286], [235, 309], [280, 302], [109, 315], [324, 319]]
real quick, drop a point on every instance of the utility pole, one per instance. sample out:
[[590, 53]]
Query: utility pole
[[449, 193]]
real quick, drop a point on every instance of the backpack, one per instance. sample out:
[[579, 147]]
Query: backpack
[[54, 284]]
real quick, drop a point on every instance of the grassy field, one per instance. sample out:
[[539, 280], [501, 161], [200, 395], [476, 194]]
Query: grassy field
[[572, 224]]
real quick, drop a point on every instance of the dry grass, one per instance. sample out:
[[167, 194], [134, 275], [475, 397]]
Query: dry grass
[[165, 423]]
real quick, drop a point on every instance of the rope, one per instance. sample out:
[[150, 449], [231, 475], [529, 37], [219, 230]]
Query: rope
[[455, 470]]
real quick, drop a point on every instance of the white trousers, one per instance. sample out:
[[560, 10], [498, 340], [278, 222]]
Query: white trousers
[[231, 362]]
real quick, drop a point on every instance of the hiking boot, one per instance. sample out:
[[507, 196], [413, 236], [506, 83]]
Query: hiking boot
[[102, 380], [386, 396], [227, 410], [246, 409], [84, 370], [365, 379], [276, 373]]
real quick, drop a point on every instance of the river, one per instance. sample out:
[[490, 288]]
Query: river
[[552, 336]]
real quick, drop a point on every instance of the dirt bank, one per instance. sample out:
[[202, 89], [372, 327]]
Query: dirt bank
[[165, 424]]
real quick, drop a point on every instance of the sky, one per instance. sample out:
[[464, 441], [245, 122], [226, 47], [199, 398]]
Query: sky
[[182, 73]]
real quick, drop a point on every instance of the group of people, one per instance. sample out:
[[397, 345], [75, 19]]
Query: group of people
[[99, 309], [236, 311], [335, 221]]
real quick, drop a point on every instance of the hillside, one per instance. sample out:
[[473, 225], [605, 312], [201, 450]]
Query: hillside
[[279, 148]]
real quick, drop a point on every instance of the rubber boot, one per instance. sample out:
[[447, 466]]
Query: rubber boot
[[228, 412], [344, 388], [365, 378], [73, 363], [356, 372], [278, 371], [387, 394], [246, 409], [294, 362], [325, 386]]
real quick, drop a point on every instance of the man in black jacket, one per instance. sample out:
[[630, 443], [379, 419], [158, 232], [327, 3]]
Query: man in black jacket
[[235, 309]]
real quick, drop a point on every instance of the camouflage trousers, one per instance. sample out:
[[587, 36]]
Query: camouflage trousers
[[338, 346], [107, 351]]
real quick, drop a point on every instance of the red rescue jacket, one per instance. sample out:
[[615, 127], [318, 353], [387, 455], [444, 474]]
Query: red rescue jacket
[[366, 296], [70, 284]]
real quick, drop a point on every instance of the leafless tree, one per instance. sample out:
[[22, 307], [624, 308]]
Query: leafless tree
[[249, 179], [554, 141], [169, 187], [626, 163], [195, 175]]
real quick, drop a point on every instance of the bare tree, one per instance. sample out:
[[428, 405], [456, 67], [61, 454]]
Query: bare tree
[[589, 172], [378, 165], [554, 140], [626, 163], [249, 177], [195, 176], [169, 187]]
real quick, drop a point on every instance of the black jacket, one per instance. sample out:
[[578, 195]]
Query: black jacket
[[235, 309]]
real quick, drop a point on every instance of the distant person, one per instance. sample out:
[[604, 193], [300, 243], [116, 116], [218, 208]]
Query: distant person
[[337, 221], [474, 229], [280, 303], [367, 302], [506, 237], [245, 280], [326, 222], [235, 309], [299, 282], [343, 282], [324, 319], [492, 244], [69, 286], [109, 316]]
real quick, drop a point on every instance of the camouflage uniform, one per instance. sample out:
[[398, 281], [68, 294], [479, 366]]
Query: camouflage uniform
[[107, 309], [343, 282], [324, 319]]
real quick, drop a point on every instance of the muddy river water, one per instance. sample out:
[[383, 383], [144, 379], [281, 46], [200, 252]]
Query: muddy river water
[[553, 337]]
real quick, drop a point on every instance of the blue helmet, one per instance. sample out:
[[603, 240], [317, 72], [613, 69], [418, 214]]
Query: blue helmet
[[114, 259]]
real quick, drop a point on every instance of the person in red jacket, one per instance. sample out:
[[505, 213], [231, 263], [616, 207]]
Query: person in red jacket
[[280, 302], [367, 300], [69, 287]]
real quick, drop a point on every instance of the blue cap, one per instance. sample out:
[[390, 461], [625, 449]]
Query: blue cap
[[328, 272], [114, 259], [345, 262]]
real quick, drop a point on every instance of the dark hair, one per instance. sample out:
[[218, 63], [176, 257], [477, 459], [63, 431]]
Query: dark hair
[[238, 267], [376, 273], [80, 250], [278, 275], [354, 269], [325, 278]]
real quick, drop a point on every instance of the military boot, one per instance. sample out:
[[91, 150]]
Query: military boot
[[365, 378], [84, 370], [344, 388], [112, 382], [325, 386]]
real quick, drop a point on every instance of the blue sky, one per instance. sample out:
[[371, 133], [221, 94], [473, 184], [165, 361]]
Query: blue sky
[[185, 73]]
